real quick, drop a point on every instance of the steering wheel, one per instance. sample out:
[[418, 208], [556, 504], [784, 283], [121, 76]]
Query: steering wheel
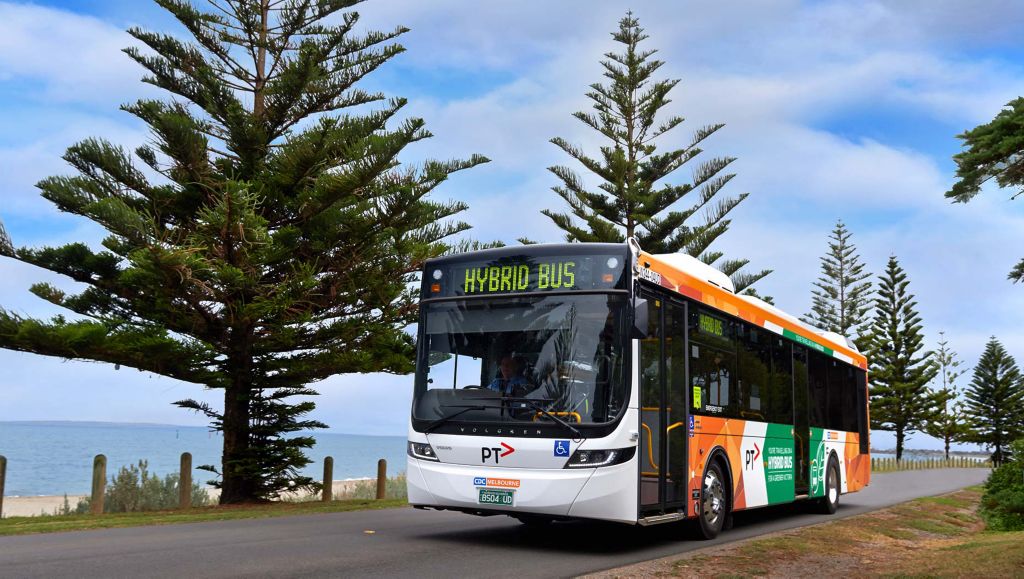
[[473, 387]]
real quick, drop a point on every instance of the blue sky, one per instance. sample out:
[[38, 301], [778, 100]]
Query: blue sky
[[834, 110]]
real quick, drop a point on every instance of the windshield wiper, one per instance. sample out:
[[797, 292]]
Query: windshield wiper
[[534, 403], [465, 408]]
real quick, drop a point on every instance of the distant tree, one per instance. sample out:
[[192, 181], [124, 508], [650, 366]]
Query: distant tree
[[900, 372], [270, 242], [993, 150], [6, 247], [951, 424], [634, 200], [995, 400], [841, 299]]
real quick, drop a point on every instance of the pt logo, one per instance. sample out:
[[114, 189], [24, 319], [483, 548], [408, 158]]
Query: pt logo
[[495, 452], [750, 458]]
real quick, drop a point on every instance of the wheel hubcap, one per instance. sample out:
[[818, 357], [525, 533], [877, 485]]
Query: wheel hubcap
[[714, 498], [833, 486]]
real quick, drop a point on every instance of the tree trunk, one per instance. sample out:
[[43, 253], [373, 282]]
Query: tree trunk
[[899, 444], [947, 447], [236, 486]]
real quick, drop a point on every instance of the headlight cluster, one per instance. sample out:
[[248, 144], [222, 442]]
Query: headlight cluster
[[422, 451], [594, 458]]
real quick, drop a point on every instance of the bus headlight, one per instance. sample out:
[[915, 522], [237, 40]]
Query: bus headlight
[[422, 451], [594, 458]]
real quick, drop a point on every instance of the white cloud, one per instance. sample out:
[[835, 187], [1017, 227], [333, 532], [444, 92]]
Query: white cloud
[[73, 58]]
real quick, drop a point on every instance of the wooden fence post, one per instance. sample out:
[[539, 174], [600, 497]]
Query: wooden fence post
[[328, 492], [382, 478], [3, 476], [185, 482], [99, 483]]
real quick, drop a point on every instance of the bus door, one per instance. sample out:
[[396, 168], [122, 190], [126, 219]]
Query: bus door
[[663, 407]]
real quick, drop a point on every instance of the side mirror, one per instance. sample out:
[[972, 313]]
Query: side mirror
[[640, 318]]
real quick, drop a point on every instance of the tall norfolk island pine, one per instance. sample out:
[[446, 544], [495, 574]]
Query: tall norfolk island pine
[[900, 398], [631, 201], [995, 400], [252, 256], [841, 298]]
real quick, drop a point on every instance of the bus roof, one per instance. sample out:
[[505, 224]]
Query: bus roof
[[533, 250], [691, 283]]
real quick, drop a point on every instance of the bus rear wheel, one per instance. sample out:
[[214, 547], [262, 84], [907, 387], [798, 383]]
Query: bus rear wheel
[[830, 502], [713, 502]]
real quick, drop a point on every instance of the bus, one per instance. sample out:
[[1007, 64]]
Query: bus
[[598, 381]]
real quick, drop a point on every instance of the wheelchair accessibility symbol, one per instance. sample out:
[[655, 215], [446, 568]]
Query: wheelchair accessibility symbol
[[561, 448]]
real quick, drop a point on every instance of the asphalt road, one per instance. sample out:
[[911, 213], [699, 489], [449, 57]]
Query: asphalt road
[[412, 543]]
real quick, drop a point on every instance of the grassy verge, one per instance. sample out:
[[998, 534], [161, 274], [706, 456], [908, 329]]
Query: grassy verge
[[930, 537], [52, 524]]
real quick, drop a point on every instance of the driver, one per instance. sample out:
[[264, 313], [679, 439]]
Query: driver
[[511, 381]]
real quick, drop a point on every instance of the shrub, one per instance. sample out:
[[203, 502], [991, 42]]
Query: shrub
[[1002, 505], [394, 488], [134, 489]]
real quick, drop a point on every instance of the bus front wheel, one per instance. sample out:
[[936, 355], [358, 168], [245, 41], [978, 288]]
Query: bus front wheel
[[713, 502]]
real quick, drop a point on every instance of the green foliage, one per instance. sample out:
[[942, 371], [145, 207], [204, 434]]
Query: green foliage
[[6, 247], [993, 150], [995, 400], [265, 238], [133, 489], [634, 199], [900, 372], [394, 488], [841, 299], [951, 424], [1002, 505]]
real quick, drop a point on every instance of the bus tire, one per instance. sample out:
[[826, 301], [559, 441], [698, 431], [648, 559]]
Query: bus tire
[[714, 501], [828, 504]]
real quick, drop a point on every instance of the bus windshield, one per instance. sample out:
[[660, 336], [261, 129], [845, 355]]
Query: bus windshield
[[522, 359]]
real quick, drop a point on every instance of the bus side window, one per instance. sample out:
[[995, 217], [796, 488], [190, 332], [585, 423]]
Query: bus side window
[[836, 399], [817, 375], [754, 372], [782, 382], [712, 365]]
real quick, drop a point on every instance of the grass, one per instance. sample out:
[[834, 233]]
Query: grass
[[930, 537], [54, 524]]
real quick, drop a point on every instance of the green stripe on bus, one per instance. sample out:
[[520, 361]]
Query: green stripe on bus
[[809, 343]]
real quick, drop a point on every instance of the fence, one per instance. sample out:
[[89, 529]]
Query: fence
[[890, 464], [99, 481]]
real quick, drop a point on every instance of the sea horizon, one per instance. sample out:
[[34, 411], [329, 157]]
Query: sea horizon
[[54, 457]]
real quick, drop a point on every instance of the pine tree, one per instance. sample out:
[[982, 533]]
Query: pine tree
[[951, 424], [634, 199], [994, 150], [995, 400], [6, 247], [900, 372], [266, 242], [841, 299]]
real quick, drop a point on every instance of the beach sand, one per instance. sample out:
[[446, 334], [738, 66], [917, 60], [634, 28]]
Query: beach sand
[[35, 506]]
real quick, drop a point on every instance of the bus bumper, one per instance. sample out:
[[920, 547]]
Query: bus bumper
[[607, 493]]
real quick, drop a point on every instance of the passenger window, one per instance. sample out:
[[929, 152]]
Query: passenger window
[[754, 372], [835, 395], [712, 365], [817, 375], [782, 382]]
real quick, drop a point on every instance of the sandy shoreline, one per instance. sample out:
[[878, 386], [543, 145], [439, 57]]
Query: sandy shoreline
[[35, 506]]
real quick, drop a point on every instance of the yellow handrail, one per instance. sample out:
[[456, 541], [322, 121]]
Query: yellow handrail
[[575, 415]]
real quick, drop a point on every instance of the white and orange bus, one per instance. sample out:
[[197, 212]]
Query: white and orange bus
[[598, 381]]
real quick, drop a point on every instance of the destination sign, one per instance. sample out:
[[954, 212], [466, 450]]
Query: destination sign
[[528, 274]]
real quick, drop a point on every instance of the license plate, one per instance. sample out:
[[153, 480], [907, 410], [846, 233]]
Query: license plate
[[500, 497]]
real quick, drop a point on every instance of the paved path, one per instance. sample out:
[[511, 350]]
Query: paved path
[[410, 543]]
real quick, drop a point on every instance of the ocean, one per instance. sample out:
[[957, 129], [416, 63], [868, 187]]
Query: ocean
[[53, 458]]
